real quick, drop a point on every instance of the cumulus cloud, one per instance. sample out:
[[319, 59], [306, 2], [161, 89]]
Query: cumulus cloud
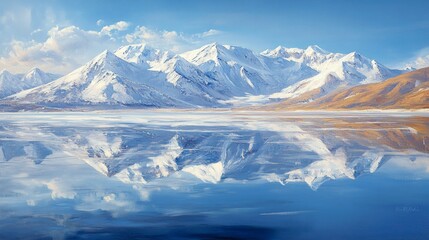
[[420, 60], [64, 49], [67, 48]]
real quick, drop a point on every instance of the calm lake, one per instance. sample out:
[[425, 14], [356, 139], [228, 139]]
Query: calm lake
[[214, 175]]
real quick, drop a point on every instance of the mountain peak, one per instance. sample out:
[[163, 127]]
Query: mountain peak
[[357, 58], [141, 53], [106, 61], [204, 54], [5, 72], [279, 48], [315, 49], [214, 45], [35, 72], [103, 57], [36, 69], [284, 52], [215, 50], [134, 49], [105, 54]]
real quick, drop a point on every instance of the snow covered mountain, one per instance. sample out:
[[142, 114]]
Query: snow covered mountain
[[13, 83], [142, 54], [334, 71], [212, 76], [9, 83], [105, 79], [406, 91], [108, 79], [36, 77], [184, 80], [242, 72]]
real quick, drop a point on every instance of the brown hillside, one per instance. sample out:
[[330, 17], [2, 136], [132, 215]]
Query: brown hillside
[[408, 91]]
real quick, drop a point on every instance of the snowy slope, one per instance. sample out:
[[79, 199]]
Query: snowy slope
[[9, 84], [13, 83], [242, 72], [36, 77], [142, 54], [406, 91], [238, 70], [107, 79], [334, 71], [175, 74], [211, 76]]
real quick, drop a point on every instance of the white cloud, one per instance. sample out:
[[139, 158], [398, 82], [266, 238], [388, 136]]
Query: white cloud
[[420, 60], [100, 22], [67, 48], [64, 49], [170, 40], [36, 31], [211, 32], [119, 26]]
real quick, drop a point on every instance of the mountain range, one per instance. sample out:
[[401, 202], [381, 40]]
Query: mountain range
[[214, 75], [14, 83], [406, 91]]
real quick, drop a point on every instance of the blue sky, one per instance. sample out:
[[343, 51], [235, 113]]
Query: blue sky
[[42, 31]]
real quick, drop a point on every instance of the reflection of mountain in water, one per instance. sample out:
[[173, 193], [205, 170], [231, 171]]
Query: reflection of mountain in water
[[281, 151], [17, 144], [402, 134], [35, 151]]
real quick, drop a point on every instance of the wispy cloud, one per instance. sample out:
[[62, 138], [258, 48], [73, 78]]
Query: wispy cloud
[[209, 33], [171, 40], [119, 26], [17, 19]]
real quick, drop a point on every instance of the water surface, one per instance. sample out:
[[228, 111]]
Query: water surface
[[214, 175]]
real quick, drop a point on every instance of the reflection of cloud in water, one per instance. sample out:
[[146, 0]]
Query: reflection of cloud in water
[[141, 150], [59, 190], [152, 175]]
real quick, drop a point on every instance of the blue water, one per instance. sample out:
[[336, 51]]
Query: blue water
[[214, 175]]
